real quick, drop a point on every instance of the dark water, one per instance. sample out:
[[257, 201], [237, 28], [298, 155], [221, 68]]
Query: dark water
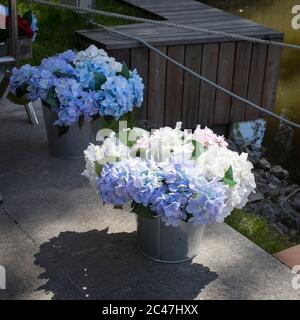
[[282, 143]]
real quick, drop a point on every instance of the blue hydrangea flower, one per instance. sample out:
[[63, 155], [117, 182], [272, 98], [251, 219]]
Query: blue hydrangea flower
[[92, 66], [170, 199], [39, 84], [67, 116], [207, 203], [86, 78], [125, 181], [55, 64], [137, 87], [116, 97], [68, 93], [20, 77], [88, 104], [68, 56], [112, 184]]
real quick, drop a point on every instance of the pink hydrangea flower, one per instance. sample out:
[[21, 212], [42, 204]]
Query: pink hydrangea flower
[[208, 138]]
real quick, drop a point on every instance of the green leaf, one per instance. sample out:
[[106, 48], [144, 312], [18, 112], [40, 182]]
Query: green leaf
[[198, 149], [51, 98], [228, 177], [109, 122], [22, 90], [62, 130], [142, 211], [140, 152], [98, 168], [28, 16], [100, 79], [62, 74], [125, 71], [14, 99], [130, 118], [96, 117], [230, 183], [81, 121], [229, 173]]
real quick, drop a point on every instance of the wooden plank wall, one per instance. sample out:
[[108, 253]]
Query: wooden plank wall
[[172, 95]]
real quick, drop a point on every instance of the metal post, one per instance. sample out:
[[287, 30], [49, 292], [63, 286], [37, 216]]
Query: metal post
[[13, 28]]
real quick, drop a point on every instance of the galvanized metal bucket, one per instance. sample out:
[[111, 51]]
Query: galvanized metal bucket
[[71, 144], [168, 244]]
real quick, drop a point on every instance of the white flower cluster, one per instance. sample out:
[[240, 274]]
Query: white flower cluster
[[213, 164], [98, 56], [165, 143]]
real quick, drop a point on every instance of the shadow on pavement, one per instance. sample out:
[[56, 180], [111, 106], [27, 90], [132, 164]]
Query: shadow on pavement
[[100, 265]]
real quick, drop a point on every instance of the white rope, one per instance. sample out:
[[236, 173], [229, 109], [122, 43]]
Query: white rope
[[288, 198], [187, 27]]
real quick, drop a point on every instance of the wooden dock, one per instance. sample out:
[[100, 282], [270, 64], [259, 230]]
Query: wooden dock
[[249, 70]]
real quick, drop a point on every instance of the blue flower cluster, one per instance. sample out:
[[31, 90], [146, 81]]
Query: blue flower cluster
[[79, 87], [170, 191], [127, 180]]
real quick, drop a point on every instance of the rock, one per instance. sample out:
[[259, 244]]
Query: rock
[[279, 172], [296, 203], [260, 179], [232, 146], [272, 186], [293, 233], [274, 194], [280, 228], [264, 164], [256, 197], [274, 180], [262, 188], [289, 189]]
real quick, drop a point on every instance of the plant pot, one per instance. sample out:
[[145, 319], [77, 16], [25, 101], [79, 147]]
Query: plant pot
[[168, 244], [71, 144]]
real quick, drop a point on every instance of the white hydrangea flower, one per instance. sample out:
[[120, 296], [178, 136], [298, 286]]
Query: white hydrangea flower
[[216, 161], [114, 65], [166, 143], [98, 56], [90, 53]]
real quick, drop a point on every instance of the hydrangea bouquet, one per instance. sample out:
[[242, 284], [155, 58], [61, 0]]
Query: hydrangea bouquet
[[80, 86], [170, 173]]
